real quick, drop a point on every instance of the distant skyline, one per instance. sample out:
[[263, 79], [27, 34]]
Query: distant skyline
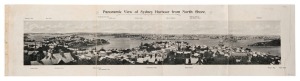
[[156, 27]]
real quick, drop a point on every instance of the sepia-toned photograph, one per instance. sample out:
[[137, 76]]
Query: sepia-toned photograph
[[149, 40], [139, 43]]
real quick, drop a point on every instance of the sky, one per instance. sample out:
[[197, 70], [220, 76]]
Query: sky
[[156, 27]]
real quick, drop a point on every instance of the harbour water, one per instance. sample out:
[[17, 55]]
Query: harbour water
[[127, 43]]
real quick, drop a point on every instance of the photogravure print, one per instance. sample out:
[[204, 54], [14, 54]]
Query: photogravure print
[[164, 40], [119, 47]]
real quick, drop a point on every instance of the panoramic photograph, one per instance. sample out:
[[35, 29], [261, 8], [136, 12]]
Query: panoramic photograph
[[152, 43]]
